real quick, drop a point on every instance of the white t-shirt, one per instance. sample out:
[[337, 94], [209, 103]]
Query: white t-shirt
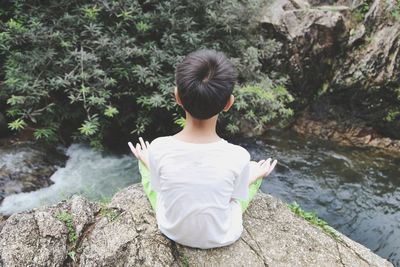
[[195, 185]]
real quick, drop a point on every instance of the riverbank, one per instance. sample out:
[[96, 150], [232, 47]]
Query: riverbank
[[124, 233], [345, 133]]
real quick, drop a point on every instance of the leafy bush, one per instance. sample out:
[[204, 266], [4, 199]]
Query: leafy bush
[[361, 10], [256, 105], [87, 69]]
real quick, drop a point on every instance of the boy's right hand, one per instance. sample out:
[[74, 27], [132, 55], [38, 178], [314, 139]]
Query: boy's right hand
[[261, 169], [141, 151]]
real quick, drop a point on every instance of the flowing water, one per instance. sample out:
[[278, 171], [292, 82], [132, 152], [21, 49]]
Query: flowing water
[[355, 190], [87, 172]]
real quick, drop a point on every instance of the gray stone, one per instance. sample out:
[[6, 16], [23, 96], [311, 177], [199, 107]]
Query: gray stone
[[26, 166], [341, 66], [310, 37], [125, 233]]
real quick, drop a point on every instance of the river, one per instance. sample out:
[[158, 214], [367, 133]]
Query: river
[[355, 190]]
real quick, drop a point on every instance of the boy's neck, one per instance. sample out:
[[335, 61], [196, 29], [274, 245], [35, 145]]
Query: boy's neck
[[201, 131]]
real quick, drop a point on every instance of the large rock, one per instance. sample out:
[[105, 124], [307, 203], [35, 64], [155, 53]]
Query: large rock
[[310, 38], [26, 166], [373, 58], [338, 57], [124, 233], [367, 77]]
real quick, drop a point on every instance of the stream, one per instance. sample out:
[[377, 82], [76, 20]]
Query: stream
[[356, 190]]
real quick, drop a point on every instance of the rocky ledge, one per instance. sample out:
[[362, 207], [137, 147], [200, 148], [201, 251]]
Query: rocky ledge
[[346, 133], [124, 233]]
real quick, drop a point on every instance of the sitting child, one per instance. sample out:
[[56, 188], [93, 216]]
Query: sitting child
[[198, 183]]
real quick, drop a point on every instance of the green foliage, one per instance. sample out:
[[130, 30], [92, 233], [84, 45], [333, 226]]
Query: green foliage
[[142, 27], [90, 126], [393, 111], [16, 125], [45, 133], [185, 261], [181, 122], [313, 219], [396, 11], [110, 213], [258, 104], [392, 115], [111, 111], [104, 200], [67, 219], [72, 254], [87, 68], [361, 10]]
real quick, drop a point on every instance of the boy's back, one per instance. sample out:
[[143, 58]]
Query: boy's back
[[196, 184], [197, 178]]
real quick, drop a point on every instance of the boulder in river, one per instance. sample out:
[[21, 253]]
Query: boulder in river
[[26, 166]]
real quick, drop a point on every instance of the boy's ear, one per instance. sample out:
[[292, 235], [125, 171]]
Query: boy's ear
[[177, 98], [229, 103]]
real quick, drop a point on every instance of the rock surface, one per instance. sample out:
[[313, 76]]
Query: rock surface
[[347, 134], [124, 233], [372, 56], [341, 54], [310, 38]]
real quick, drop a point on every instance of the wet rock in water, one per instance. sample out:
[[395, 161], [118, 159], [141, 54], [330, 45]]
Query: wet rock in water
[[26, 166], [124, 233]]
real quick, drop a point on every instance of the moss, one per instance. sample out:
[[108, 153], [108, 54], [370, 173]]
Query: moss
[[360, 12], [67, 218], [313, 219], [185, 261], [110, 213]]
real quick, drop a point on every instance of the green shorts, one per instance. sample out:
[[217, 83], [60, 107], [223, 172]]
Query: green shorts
[[152, 195]]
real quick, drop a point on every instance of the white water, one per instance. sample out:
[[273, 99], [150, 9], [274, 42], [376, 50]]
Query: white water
[[15, 161], [87, 172]]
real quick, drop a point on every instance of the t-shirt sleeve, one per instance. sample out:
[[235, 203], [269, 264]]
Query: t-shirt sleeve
[[241, 185], [154, 170]]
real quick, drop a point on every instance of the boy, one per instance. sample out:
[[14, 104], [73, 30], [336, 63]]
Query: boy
[[198, 183]]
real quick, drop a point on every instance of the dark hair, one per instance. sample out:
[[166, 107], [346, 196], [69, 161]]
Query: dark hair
[[205, 80]]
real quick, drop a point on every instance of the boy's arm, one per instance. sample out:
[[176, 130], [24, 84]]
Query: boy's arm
[[241, 188], [144, 153]]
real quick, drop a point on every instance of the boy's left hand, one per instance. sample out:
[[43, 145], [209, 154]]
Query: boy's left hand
[[141, 151]]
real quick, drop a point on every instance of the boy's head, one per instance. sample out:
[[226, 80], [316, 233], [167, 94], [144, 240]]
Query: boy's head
[[205, 81]]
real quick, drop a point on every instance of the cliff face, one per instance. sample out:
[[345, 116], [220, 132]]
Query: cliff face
[[124, 233], [343, 60]]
